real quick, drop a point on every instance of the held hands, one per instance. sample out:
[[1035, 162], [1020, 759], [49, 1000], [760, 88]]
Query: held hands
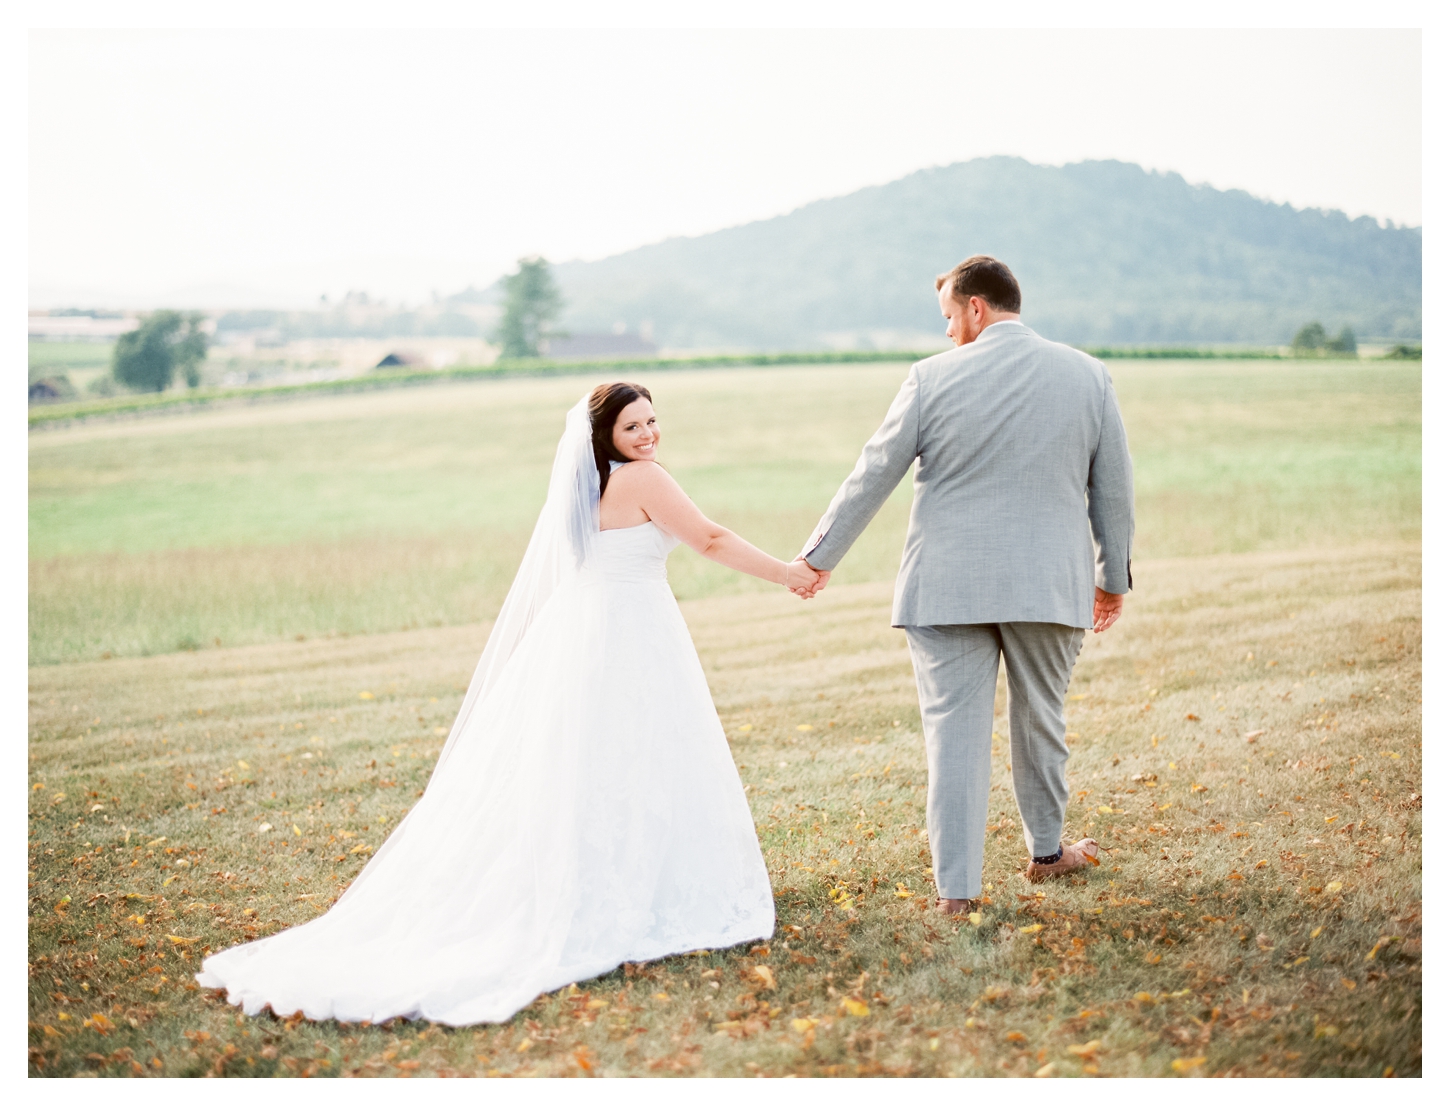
[[804, 580], [1106, 609]]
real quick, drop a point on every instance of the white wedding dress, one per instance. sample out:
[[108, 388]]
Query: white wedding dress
[[586, 810]]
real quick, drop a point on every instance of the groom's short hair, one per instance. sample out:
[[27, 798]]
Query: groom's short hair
[[985, 277]]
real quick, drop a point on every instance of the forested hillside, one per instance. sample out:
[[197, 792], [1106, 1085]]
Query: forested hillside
[[1105, 251]]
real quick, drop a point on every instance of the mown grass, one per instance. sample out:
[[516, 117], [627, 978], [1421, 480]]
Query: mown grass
[[1246, 746], [371, 513], [1258, 912]]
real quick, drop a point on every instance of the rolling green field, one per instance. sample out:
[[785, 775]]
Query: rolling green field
[[59, 357], [265, 617], [377, 512]]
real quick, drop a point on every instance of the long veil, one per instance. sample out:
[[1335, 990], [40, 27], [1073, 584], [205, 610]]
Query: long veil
[[561, 544], [562, 541]]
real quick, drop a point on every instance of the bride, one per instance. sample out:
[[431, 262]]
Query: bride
[[585, 810]]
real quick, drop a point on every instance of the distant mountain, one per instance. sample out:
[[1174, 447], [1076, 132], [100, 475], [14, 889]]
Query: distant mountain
[[1105, 251]]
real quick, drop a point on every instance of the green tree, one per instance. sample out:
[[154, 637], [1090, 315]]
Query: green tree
[[531, 302], [167, 342], [1405, 353], [1310, 339], [1343, 342]]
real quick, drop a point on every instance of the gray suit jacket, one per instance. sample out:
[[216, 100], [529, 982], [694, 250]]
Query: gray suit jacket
[[1024, 487]]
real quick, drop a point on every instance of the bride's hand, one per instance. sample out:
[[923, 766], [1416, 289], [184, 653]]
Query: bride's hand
[[805, 581]]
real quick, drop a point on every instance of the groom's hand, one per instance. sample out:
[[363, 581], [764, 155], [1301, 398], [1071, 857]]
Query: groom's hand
[[814, 577], [1106, 609]]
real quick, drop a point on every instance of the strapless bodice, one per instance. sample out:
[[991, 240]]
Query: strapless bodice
[[631, 553]]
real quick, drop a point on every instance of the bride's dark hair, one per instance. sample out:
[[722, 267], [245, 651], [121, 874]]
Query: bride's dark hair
[[605, 404]]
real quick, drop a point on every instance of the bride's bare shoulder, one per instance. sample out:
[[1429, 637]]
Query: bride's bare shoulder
[[640, 474], [644, 483]]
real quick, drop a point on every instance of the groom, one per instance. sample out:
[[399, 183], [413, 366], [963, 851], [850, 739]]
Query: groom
[[1020, 537]]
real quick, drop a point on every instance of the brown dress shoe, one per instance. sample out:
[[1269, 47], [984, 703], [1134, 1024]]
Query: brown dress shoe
[[955, 906], [1073, 857]]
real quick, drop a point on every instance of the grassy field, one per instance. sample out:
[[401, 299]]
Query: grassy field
[[59, 357], [1246, 743], [376, 512]]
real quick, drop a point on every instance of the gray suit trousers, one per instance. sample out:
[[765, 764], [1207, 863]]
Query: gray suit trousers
[[956, 681]]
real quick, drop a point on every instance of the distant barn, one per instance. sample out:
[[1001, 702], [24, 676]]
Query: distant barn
[[396, 360]]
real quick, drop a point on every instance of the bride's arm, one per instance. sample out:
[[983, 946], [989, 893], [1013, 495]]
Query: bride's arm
[[666, 505]]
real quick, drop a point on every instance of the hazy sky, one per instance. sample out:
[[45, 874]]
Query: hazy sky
[[221, 168]]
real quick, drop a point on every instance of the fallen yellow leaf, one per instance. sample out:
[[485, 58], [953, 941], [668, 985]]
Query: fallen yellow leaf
[[902, 892], [767, 975], [1038, 928], [1047, 1071], [662, 996], [528, 1042], [800, 1025], [1383, 942], [746, 728], [1331, 888], [1105, 810], [1316, 931], [975, 917], [1349, 984], [1188, 1063], [369, 695], [855, 1007], [1143, 996], [1085, 1050], [805, 727], [175, 940]]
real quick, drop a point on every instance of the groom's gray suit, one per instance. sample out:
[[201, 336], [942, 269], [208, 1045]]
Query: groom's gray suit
[[1023, 503]]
